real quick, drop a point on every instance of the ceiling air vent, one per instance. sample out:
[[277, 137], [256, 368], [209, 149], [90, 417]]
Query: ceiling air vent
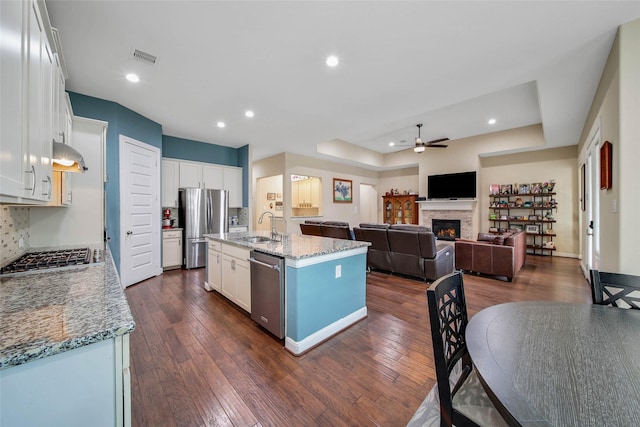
[[144, 57]]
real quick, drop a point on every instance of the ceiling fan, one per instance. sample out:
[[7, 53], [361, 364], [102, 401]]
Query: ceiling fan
[[421, 146]]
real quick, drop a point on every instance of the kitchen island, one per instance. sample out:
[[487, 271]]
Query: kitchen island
[[64, 347], [324, 282]]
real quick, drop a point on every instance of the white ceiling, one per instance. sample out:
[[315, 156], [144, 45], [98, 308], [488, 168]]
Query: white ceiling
[[451, 65]]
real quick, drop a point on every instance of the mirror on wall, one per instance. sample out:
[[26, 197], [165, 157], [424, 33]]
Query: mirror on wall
[[306, 195]]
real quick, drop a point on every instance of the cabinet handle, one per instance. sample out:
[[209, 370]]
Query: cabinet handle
[[47, 194], [33, 183], [218, 259], [233, 264]]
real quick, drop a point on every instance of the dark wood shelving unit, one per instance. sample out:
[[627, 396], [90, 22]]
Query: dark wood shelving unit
[[527, 211]]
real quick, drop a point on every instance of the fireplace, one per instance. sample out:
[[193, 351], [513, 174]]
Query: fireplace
[[446, 229]]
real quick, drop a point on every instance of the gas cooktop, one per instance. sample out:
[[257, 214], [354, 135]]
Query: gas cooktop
[[48, 259]]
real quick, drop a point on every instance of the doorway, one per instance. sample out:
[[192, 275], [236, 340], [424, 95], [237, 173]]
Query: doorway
[[140, 241], [269, 198], [592, 204], [368, 203]]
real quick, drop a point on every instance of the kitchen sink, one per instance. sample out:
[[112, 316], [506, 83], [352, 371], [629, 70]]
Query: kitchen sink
[[256, 239]]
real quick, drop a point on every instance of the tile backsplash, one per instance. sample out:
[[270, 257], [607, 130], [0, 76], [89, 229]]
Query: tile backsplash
[[14, 225]]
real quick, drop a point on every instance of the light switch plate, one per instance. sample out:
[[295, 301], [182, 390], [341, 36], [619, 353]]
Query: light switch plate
[[338, 271]]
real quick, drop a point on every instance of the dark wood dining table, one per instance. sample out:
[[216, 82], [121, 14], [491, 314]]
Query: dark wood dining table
[[559, 364]]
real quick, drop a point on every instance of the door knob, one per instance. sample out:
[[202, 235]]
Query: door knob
[[129, 232]]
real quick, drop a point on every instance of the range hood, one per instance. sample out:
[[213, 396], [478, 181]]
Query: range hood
[[66, 159]]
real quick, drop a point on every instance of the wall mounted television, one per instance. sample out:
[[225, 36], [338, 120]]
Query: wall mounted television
[[460, 185]]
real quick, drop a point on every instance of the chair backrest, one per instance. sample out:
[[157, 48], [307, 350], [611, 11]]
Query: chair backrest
[[335, 231], [310, 229], [618, 290], [448, 321], [377, 236]]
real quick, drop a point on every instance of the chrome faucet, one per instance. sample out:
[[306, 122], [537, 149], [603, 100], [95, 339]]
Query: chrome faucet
[[274, 233]]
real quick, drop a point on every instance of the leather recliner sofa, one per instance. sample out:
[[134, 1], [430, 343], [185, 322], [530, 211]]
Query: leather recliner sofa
[[495, 255], [333, 229], [406, 249]]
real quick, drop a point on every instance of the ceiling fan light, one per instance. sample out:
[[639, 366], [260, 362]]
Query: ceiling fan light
[[418, 148]]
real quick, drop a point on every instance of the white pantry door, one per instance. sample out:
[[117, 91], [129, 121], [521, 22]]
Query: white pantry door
[[140, 239]]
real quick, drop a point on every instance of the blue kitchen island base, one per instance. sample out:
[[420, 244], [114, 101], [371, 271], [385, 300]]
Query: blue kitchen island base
[[323, 296], [325, 282]]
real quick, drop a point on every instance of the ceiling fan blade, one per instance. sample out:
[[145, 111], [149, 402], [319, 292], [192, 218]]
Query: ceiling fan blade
[[435, 141], [436, 146]]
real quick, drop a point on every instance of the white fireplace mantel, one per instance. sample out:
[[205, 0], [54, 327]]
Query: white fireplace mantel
[[447, 205]]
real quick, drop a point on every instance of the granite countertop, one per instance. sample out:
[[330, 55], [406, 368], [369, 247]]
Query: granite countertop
[[52, 311], [172, 229], [295, 246]]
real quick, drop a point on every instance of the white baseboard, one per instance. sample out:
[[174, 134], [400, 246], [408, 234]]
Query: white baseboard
[[299, 347]]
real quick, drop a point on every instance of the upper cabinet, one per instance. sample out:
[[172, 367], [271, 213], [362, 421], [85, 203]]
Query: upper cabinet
[[201, 175], [170, 183], [233, 183], [180, 174], [30, 86]]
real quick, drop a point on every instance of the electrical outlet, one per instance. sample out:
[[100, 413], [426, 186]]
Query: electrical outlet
[[21, 243], [338, 271]]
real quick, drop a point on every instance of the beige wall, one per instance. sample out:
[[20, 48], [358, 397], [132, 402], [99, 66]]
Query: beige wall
[[294, 164], [558, 164], [615, 113]]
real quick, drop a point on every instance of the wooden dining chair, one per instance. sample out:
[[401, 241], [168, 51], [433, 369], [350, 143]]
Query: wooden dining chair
[[463, 401], [618, 290]]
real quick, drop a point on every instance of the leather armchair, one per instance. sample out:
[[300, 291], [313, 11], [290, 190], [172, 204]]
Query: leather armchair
[[378, 254]]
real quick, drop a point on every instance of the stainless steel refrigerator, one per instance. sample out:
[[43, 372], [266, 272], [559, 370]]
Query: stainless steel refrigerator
[[201, 211]]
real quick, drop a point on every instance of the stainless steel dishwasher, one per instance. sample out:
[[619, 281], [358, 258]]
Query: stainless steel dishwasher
[[267, 292]]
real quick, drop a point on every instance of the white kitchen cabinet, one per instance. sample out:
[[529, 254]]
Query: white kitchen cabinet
[[233, 183], [170, 183], [212, 177], [236, 276], [28, 84], [171, 249], [40, 101], [214, 266], [89, 385], [11, 79], [200, 175], [190, 175], [62, 193]]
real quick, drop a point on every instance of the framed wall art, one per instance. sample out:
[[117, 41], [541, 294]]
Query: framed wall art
[[342, 190], [606, 163], [533, 228]]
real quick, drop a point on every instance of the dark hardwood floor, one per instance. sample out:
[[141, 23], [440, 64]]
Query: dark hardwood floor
[[198, 360]]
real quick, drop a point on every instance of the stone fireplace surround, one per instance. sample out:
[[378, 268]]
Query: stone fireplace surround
[[449, 209]]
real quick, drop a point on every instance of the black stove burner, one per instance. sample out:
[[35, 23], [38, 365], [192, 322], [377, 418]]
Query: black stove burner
[[49, 259]]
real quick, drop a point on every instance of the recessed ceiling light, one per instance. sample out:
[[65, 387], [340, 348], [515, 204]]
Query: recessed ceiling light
[[332, 60], [492, 121], [391, 144], [248, 113], [220, 124], [133, 78]]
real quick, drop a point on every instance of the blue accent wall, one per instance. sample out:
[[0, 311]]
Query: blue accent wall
[[316, 299], [122, 121]]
